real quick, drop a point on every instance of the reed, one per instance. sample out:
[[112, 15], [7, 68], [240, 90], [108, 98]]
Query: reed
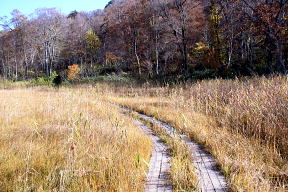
[[243, 123], [67, 140]]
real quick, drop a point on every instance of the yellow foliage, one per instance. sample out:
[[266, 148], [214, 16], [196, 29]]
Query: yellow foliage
[[201, 46], [92, 40], [207, 56]]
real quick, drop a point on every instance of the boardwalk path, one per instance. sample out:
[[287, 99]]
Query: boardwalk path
[[157, 177], [209, 176]]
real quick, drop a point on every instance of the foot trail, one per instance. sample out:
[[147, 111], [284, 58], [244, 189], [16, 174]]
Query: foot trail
[[158, 174], [210, 178]]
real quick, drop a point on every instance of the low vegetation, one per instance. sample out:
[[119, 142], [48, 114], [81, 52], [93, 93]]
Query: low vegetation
[[67, 140], [72, 138], [243, 123]]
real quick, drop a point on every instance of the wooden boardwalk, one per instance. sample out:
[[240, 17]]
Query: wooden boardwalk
[[210, 177], [158, 174]]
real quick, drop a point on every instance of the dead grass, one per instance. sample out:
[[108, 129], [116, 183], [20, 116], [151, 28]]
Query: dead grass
[[243, 123], [72, 139], [68, 140]]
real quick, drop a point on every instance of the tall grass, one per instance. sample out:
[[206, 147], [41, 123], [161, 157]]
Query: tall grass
[[67, 140], [257, 108], [73, 139], [243, 123]]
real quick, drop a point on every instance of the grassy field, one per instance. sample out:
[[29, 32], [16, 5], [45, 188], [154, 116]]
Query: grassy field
[[243, 123], [73, 139], [68, 140]]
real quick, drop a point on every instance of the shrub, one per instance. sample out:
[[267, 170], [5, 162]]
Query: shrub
[[44, 79], [73, 72]]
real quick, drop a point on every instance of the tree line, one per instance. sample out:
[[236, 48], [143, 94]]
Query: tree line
[[149, 38]]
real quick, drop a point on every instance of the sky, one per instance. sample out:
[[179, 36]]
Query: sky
[[66, 6]]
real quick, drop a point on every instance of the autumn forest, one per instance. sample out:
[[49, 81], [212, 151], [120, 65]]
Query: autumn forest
[[148, 38]]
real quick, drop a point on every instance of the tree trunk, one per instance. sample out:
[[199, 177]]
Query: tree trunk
[[26, 64], [280, 64], [3, 64], [16, 68], [136, 54], [269, 60], [3, 69], [46, 58], [250, 55], [157, 62], [185, 53], [285, 55], [185, 59], [230, 50], [157, 54], [50, 67], [15, 60]]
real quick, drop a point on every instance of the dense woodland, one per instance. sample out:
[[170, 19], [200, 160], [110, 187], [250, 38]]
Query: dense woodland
[[149, 38]]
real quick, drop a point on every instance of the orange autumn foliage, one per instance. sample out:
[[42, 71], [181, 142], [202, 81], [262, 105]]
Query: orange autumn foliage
[[111, 58], [73, 72]]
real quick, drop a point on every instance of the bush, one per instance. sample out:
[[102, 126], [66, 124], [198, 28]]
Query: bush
[[117, 79], [57, 81], [73, 72], [44, 80]]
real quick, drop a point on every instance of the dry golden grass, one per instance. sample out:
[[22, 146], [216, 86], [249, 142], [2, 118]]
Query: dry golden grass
[[68, 140], [243, 123], [72, 138]]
